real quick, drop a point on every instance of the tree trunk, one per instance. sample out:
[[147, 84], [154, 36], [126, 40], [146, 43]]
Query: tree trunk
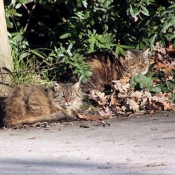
[[5, 53]]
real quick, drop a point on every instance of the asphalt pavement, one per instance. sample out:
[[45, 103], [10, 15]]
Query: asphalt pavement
[[142, 145]]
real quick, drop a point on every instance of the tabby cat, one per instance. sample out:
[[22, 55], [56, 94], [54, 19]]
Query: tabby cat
[[29, 104], [106, 67]]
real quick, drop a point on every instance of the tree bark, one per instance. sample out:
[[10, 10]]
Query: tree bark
[[5, 52]]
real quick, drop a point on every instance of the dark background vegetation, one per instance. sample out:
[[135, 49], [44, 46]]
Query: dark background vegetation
[[50, 37]]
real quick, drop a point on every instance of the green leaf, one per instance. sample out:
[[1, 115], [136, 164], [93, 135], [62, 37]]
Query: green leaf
[[132, 83], [164, 29], [65, 35], [155, 89], [23, 55], [131, 11], [17, 6], [85, 4], [144, 11], [117, 51], [12, 12], [173, 97], [136, 79], [152, 40], [25, 1], [122, 51], [146, 82], [126, 47], [37, 53], [134, 12], [88, 73], [171, 85], [80, 15], [69, 47]]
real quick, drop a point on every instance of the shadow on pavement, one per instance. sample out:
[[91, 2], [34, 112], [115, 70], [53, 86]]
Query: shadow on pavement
[[21, 167]]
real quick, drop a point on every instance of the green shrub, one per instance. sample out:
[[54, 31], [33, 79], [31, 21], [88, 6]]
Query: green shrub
[[50, 37]]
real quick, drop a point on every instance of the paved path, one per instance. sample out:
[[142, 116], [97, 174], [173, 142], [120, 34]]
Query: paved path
[[138, 146]]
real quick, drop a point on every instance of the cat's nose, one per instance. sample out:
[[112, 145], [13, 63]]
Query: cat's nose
[[68, 102]]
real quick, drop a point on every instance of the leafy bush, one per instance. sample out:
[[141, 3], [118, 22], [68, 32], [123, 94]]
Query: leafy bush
[[56, 34]]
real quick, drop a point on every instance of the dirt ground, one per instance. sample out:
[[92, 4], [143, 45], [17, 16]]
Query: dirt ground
[[138, 146]]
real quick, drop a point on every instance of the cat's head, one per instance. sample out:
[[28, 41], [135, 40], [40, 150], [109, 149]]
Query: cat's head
[[137, 61], [67, 95]]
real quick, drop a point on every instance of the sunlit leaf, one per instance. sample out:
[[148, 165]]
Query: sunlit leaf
[[37, 54], [65, 35], [145, 11]]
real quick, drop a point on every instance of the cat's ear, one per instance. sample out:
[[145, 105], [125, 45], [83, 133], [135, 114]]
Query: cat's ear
[[76, 85], [146, 53], [56, 86]]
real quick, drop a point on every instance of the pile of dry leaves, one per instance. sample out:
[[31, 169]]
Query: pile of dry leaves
[[124, 100]]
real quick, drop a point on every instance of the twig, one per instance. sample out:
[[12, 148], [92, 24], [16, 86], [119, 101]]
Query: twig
[[26, 9], [25, 28]]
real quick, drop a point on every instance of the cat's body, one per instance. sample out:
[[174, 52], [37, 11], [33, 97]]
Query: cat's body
[[106, 67], [29, 104]]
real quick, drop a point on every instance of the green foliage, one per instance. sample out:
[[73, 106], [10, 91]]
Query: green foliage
[[142, 82], [51, 37], [171, 85]]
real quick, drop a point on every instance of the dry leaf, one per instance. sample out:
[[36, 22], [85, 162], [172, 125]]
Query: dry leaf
[[167, 106], [92, 95], [169, 69], [100, 97], [160, 65], [93, 117], [114, 101], [148, 95], [132, 104], [105, 112], [144, 100], [137, 94], [123, 108]]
